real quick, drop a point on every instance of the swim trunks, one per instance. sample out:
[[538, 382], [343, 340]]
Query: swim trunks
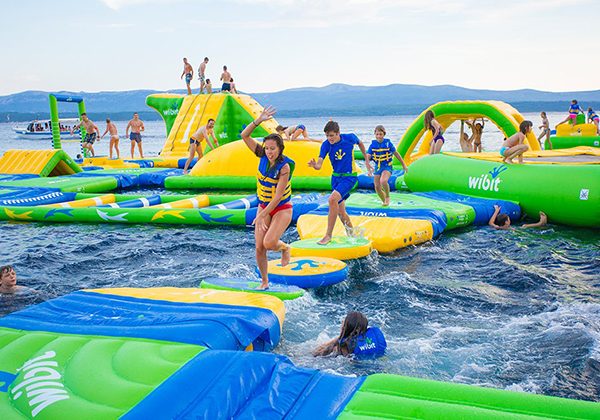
[[188, 78], [194, 141], [343, 185], [226, 87], [137, 137], [114, 136], [572, 116], [502, 150], [201, 78], [90, 138], [381, 168], [277, 209]]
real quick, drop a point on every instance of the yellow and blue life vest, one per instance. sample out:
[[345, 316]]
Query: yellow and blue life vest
[[267, 179], [575, 109]]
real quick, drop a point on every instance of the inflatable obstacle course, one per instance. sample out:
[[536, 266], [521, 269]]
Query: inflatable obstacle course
[[340, 247], [308, 272], [281, 291], [44, 163]]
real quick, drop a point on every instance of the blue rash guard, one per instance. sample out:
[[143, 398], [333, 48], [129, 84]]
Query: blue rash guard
[[341, 155]]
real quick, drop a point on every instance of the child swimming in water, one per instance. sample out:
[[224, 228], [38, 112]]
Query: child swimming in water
[[356, 339], [8, 281], [437, 137], [574, 110], [382, 151], [514, 147], [501, 221]]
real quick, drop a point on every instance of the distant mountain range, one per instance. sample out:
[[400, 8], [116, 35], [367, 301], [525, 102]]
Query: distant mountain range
[[331, 100]]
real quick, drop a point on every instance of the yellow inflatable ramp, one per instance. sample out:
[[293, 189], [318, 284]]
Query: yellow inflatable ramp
[[187, 203], [109, 163], [86, 202], [196, 295], [44, 163], [386, 234]]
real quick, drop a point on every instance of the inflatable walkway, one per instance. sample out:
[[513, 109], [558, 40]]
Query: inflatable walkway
[[44, 163]]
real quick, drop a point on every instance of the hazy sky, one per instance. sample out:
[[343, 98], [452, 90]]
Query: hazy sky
[[270, 45]]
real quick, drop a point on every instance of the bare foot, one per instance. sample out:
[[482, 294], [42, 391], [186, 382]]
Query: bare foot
[[508, 161], [263, 286], [326, 239], [386, 202], [285, 255], [185, 172]]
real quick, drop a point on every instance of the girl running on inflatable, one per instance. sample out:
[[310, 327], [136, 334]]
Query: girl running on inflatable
[[274, 193]]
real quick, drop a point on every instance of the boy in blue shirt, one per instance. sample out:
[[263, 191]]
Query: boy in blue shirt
[[340, 148], [382, 152]]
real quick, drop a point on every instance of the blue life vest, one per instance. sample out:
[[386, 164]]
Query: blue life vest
[[592, 115], [370, 344], [267, 179], [575, 109]]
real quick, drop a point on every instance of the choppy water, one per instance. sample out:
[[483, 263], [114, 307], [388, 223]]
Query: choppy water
[[515, 310]]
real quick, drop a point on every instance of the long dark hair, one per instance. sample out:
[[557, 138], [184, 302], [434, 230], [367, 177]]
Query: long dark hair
[[524, 126], [354, 325], [260, 151], [429, 116]]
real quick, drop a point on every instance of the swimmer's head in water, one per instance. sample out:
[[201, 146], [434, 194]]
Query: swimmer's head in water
[[502, 220], [273, 146], [332, 131], [8, 276], [354, 325]]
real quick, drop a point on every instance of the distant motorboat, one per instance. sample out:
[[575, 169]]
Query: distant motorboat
[[42, 129]]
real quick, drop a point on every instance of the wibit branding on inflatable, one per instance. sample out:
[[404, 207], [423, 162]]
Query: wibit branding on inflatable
[[489, 181], [37, 382]]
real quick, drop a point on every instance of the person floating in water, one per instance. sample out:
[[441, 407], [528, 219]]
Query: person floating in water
[[466, 142], [593, 119], [225, 78], [437, 132], [514, 146], [574, 110], [292, 132], [92, 133], [137, 126], [382, 152], [188, 72], [356, 339], [274, 193], [340, 148], [8, 281], [114, 138], [501, 221], [477, 130], [545, 127], [202, 75], [203, 133]]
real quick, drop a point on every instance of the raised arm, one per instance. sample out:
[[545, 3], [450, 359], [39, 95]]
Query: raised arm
[[493, 218], [265, 115]]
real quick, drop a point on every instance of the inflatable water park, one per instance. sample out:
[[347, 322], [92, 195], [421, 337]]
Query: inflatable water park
[[211, 351]]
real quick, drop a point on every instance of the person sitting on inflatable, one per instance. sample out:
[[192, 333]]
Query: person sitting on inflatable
[[501, 221], [593, 119], [382, 152], [514, 146], [437, 133], [274, 193], [355, 339], [574, 110], [292, 132]]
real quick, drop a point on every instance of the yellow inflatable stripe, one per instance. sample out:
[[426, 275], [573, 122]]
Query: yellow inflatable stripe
[[197, 295], [187, 203], [387, 234], [25, 161], [254, 109], [86, 202]]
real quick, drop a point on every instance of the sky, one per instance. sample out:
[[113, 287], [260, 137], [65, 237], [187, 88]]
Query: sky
[[271, 45]]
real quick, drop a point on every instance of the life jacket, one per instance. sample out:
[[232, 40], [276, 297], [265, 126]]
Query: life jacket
[[267, 179], [381, 156], [370, 344], [575, 109]]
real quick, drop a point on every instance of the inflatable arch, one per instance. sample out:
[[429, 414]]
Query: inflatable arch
[[501, 114], [184, 114]]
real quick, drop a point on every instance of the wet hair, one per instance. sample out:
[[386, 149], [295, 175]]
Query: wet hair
[[574, 101], [543, 114], [280, 128], [260, 151], [6, 269], [331, 126], [501, 219], [524, 126], [380, 128], [354, 325], [209, 120], [429, 116]]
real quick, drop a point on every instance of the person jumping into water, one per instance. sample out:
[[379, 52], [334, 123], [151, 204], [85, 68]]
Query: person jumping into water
[[137, 126], [437, 133], [114, 138], [203, 133], [382, 152], [201, 74], [92, 133], [188, 72], [340, 148], [514, 146], [501, 221], [274, 193], [574, 110]]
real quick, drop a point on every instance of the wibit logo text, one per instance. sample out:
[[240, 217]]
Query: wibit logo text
[[489, 181]]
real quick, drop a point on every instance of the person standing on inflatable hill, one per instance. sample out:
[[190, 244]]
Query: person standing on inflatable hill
[[340, 148], [274, 193], [201, 75], [205, 132], [574, 110], [188, 72], [382, 152], [356, 339]]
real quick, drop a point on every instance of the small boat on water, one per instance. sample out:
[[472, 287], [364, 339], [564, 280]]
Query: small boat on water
[[42, 129]]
